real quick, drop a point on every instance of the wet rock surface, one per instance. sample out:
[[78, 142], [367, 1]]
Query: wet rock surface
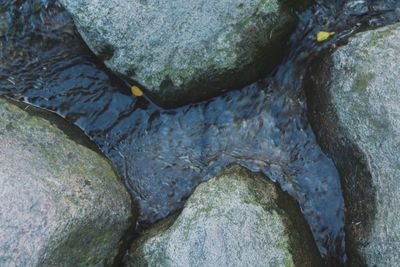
[[235, 219], [186, 51], [60, 202], [163, 154], [354, 97]]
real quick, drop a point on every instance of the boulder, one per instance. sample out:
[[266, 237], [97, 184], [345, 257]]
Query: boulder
[[353, 98], [186, 51], [61, 203], [236, 219]]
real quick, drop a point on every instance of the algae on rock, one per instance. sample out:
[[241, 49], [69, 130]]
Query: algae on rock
[[186, 51], [235, 219], [60, 202], [353, 98]]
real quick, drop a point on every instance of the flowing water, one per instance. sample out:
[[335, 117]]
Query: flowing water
[[163, 154]]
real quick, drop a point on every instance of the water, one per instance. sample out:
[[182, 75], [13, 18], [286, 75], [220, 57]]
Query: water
[[163, 154]]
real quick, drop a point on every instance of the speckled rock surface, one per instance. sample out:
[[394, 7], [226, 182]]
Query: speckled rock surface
[[60, 202], [354, 101], [234, 219], [185, 51]]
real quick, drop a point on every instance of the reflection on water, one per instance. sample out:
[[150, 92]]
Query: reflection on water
[[163, 154]]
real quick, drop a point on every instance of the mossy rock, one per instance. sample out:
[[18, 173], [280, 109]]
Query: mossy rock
[[236, 219], [353, 98], [186, 51], [61, 202]]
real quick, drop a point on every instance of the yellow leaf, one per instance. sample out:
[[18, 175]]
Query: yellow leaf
[[322, 36], [136, 91]]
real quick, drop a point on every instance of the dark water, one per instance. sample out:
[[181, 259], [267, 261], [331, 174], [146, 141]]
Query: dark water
[[163, 154]]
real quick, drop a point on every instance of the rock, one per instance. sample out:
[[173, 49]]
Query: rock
[[186, 51], [236, 219], [354, 96], [3, 24], [60, 202]]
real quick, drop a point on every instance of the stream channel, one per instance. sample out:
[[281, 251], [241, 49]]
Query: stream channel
[[162, 155]]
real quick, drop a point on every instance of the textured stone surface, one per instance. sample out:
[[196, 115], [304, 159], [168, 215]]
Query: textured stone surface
[[60, 202], [354, 97], [184, 51], [232, 220]]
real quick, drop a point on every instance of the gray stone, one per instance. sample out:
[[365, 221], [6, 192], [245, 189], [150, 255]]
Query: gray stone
[[60, 202], [185, 51], [354, 101], [235, 219]]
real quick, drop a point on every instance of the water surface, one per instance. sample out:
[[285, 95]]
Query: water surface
[[163, 154]]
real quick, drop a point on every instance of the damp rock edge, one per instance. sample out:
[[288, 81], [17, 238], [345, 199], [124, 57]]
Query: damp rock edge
[[353, 95], [185, 52], [235, 219], [60, 201]]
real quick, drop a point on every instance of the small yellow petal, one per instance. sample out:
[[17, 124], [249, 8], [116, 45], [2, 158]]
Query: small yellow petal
[[322, 36], [136, 91]]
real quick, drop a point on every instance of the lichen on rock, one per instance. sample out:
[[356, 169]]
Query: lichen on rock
[[235, 219], [353, 98], [60, 201], [186, 51]]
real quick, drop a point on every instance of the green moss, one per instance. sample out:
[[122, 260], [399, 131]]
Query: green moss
[[272, 6], [168, 68], [283, 245], [194, 219], [153, 257], [183, 73], [378, 35], [361, 81], [289, 262], [55, 149], [263, 3], [175, 74], [85, 246], [252, 202]]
